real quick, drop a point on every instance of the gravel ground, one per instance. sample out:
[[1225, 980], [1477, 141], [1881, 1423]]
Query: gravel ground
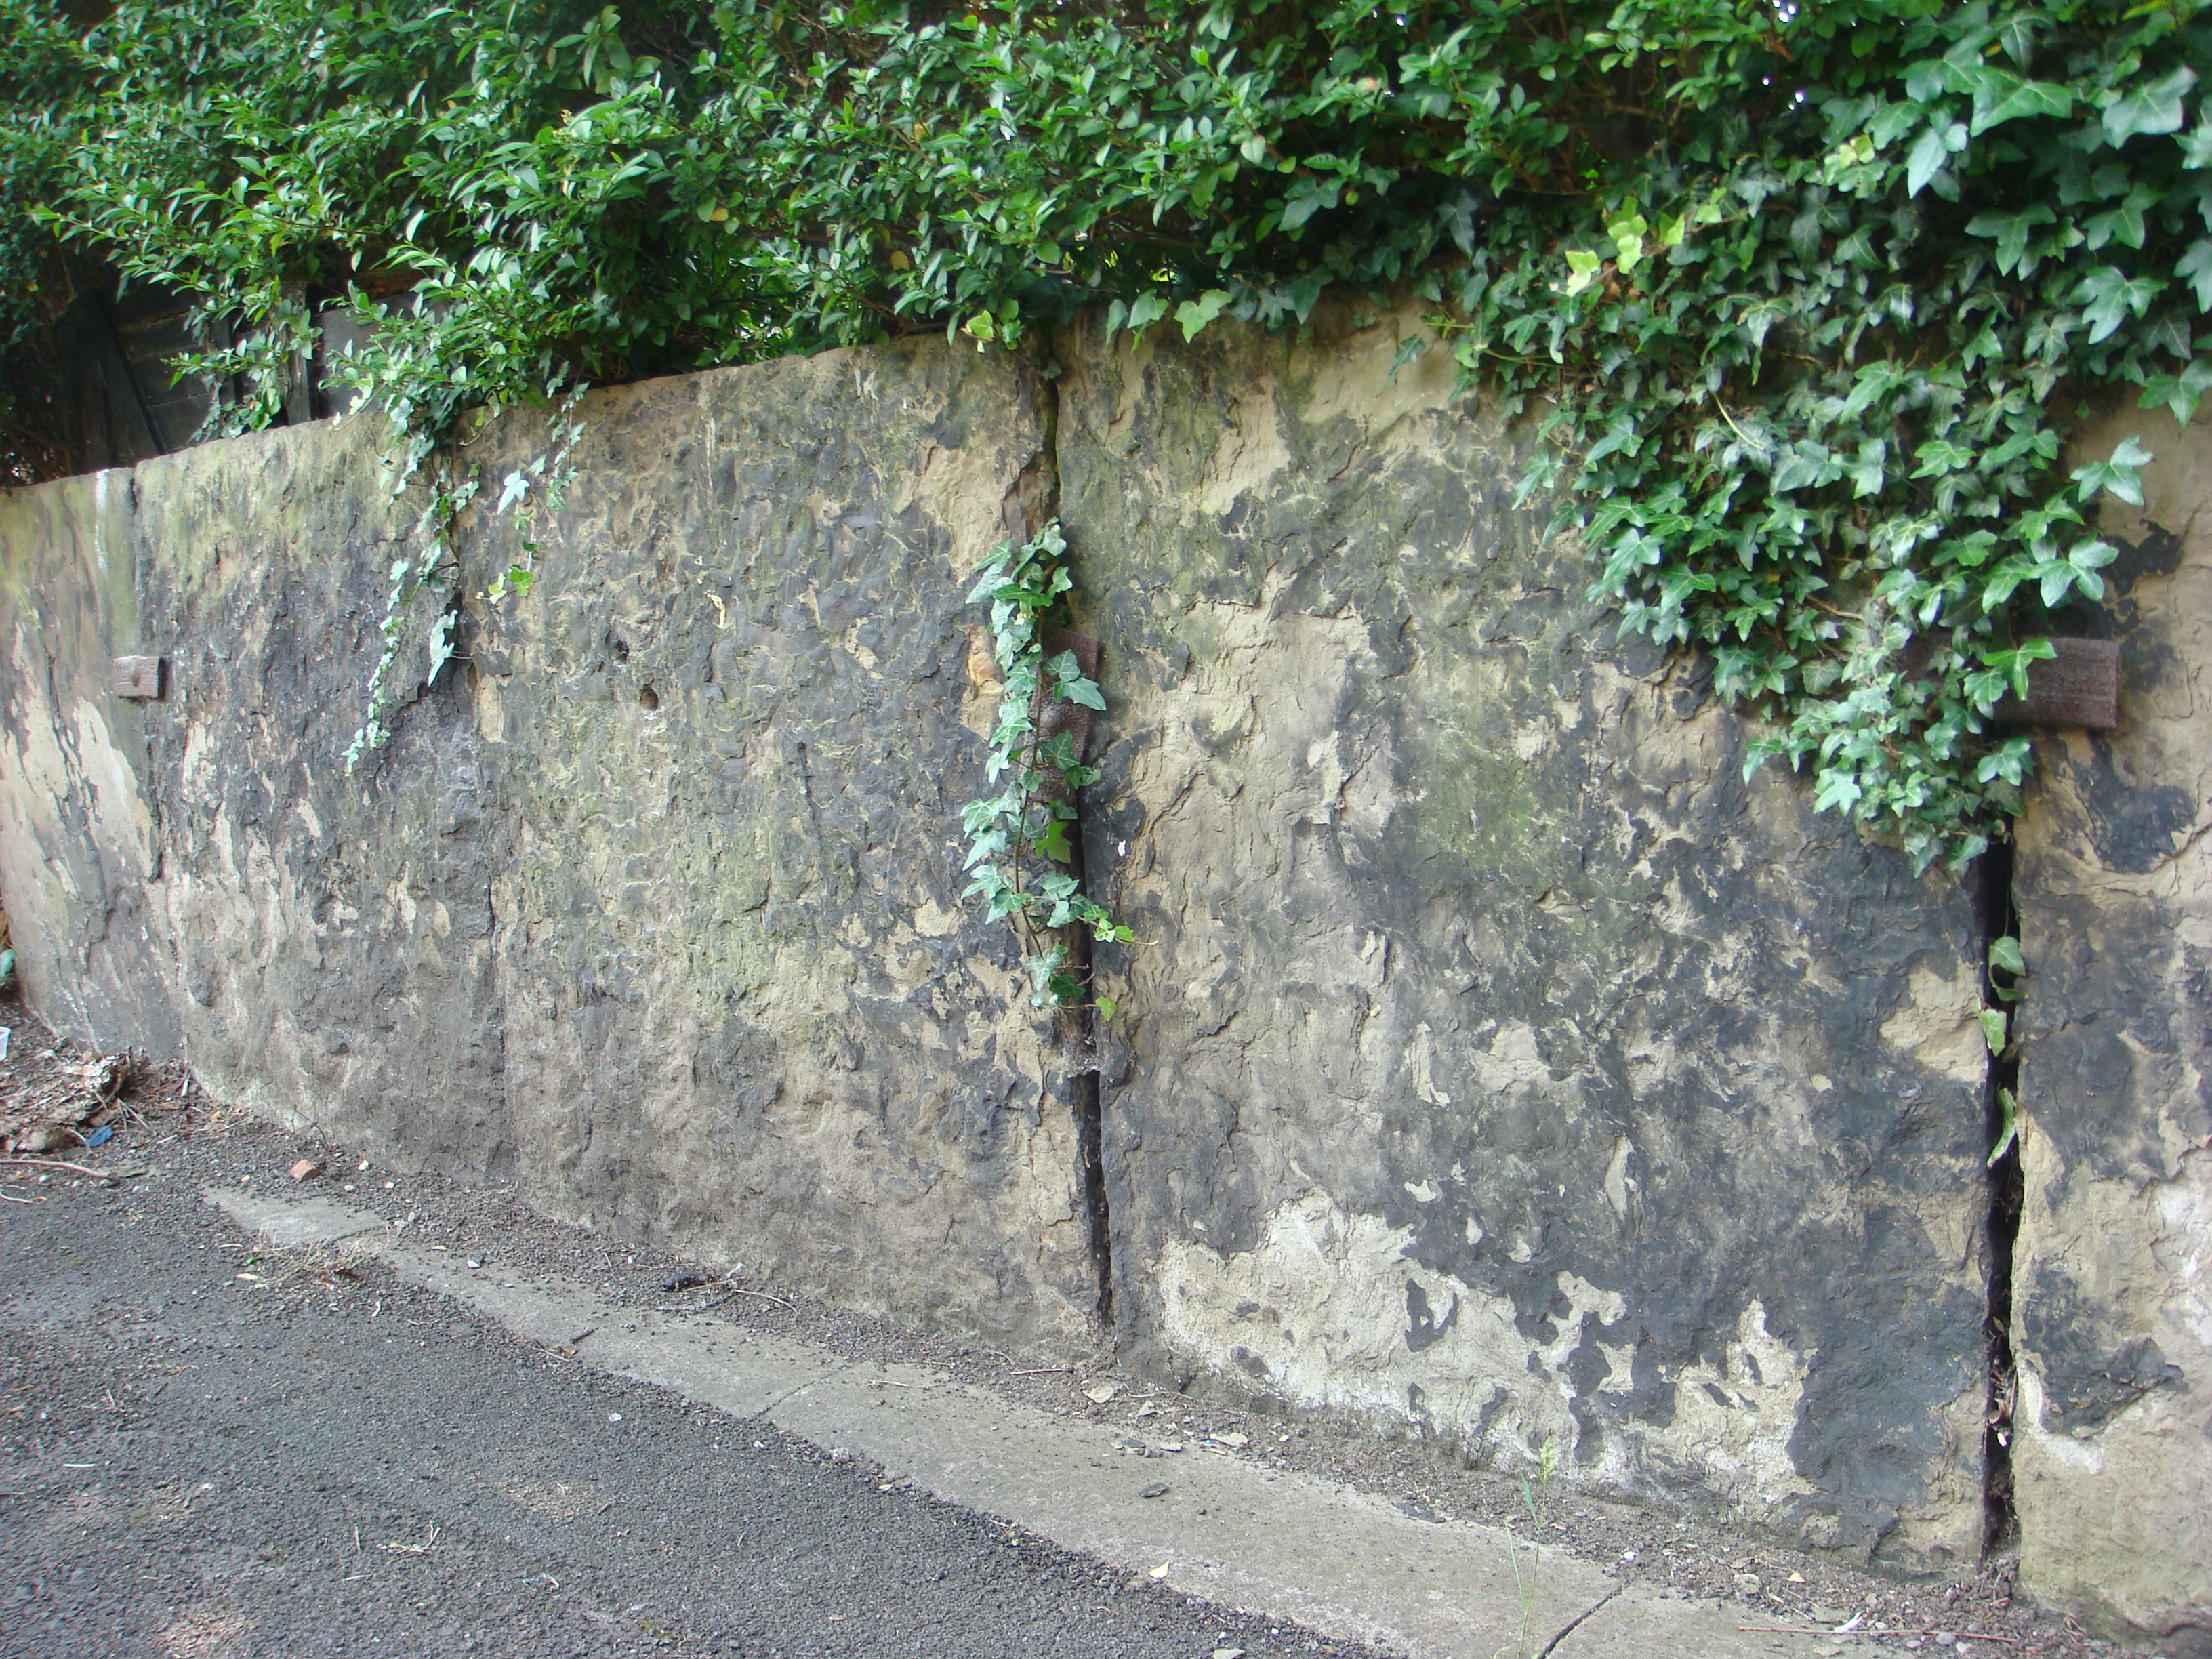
[[214, 1450], [189, 1145]]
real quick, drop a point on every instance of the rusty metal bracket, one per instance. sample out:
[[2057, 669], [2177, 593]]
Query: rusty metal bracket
[[138, 679], [1055, 715], [2080, 687]]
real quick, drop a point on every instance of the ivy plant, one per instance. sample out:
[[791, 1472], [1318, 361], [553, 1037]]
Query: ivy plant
[[1807, 300], [1019, 850]]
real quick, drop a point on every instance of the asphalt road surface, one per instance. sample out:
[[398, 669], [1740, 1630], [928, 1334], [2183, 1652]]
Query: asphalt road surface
[[210, 1453]]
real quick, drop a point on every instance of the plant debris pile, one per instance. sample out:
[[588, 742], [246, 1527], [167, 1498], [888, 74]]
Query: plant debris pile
[[60, 1100]]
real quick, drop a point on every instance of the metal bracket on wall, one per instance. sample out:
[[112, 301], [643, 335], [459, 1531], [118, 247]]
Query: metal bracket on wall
[[1054, 717], [2080, 687], [138, 677]]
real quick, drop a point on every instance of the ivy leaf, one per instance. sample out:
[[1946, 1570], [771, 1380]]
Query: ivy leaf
[[1582, 266], [1940, 455], [1869, 471], [2108, 298], [2001, 97], [1838, 790], [2016, 34], [2180, 393], [1993, 1029], [1627, 232], [1308, 197], [2011, 231], [1194, 314], [2004, 956], [1459, 217], [2154, 108], [2195, 269], [2117, 477], [1931, 152], [1807, 463], [2007, 1126], [1145, 310]]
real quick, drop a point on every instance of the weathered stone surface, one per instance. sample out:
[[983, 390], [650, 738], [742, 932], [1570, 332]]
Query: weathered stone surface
[[330, 947], [652, 903], [747, 1008], [1497, 1062], [2112, 1280], [77, 839]]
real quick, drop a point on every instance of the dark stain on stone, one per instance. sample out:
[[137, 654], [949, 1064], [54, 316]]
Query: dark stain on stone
[[2090, 1373], [2158, 554], [1423, 1328]]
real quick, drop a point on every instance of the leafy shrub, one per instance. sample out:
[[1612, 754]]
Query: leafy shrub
[[1807, 295]]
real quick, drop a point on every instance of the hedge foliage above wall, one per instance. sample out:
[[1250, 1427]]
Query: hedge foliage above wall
[[1805, 297]]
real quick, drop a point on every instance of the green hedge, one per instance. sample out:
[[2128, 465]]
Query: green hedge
[[1806, 295]]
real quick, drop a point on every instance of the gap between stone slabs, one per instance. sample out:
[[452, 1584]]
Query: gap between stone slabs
[[1285, 1545]]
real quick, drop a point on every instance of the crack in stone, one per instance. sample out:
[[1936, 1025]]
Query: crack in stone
[[1570, 1627], [2000, 916]]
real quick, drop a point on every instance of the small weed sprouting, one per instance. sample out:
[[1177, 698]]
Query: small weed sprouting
[[1536, 1498]]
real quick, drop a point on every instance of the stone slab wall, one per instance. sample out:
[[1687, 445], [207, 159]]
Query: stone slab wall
[[651, 902], [1498, 1065], [2113, 1281], [1497, 1061], [77, 841]]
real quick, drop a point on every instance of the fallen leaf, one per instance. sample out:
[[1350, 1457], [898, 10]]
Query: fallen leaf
[[1148, 1409], [305, 1170], [1161, 1570], [1101, 1392]]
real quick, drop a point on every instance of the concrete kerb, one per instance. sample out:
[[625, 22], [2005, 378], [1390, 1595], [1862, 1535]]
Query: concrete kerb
[[1281, 1545]]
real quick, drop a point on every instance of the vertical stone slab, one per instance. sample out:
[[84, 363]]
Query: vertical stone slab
[[1498, 1063], [747, 1011], [78, 838], [2113, 1281], [331, 936]]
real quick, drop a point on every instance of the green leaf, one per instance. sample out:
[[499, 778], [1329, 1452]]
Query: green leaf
[[2011, 231], [1583, 266], [1993, 1029], [2195, 267], [2109, 297], [1931, 152], [2117, 477], [1308, 197], [2008, 1126], [1627, 232], [1106, 1006], [1194, 315], [2005, 97], [2154, 108], [1145, 310], [2178, 393]]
